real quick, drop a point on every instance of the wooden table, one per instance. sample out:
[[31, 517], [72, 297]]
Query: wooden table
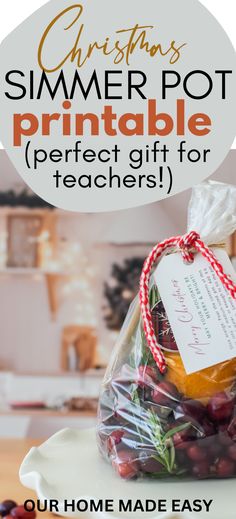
[[12, 453]]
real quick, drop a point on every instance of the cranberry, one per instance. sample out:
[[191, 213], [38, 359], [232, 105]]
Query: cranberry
[[201, 469], [181, 440], [181, 457], [220, 407], [125, 464], [130, 441], [215, 449], [164, 393], [225, 439], [225, 467], [232, 452], [232, 429], [127, 470], [19, 512], [146, 376], [185, 437], [114, 439], [208, 427], [195, 409], [148, 464], [6, 507], [196, 453], [223, 427]]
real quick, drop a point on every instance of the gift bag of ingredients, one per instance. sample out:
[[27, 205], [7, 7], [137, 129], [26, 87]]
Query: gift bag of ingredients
[[155, 419]]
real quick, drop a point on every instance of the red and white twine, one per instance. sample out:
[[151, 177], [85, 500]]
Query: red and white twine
[[186, 244]]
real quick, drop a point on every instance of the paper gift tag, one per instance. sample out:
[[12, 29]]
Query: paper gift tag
[[201, 312]]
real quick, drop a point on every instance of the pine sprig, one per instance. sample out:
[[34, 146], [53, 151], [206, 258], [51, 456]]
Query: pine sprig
[[163, 442], [150, 426]]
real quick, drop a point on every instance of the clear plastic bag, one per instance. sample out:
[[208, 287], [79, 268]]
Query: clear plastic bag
[[171, 425]]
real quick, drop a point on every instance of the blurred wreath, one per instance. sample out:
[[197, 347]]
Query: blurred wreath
[[120, 290]]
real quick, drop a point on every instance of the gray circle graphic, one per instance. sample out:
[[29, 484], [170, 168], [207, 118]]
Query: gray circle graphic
[[107, 106]]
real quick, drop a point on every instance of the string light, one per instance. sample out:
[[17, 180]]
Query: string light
[[67, 258]]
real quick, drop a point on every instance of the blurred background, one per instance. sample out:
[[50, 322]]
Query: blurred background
[[66, 282]]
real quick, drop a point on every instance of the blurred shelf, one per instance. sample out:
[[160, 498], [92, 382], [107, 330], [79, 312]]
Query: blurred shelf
[[6, 210], [129, 245], [46, 413], [32, 271], [99, 372]]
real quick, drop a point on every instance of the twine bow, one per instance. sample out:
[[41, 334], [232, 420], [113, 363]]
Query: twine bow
[[187, 244]]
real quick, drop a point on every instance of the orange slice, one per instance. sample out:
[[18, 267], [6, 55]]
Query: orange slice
[[203, 384]]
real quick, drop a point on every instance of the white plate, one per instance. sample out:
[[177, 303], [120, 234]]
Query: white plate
[[68, 466]]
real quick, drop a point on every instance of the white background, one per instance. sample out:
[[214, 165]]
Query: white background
[[16, 11]]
